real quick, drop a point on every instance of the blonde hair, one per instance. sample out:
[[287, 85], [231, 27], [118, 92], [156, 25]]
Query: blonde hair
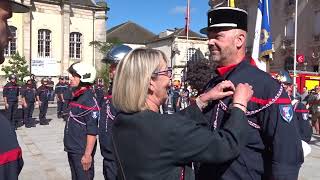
[[132, 79]]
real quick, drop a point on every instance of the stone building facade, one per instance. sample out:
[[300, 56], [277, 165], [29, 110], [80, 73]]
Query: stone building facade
[[57, 33]]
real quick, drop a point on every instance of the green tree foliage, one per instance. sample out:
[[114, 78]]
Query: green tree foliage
[[199, 72], [18, 66]]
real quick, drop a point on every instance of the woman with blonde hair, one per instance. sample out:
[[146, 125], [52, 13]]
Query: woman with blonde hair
[[150, 145]]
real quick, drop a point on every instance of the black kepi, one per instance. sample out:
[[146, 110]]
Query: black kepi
[[226, 17]]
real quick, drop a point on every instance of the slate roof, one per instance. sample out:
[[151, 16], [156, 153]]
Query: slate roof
[[180, 32], [131, 33]]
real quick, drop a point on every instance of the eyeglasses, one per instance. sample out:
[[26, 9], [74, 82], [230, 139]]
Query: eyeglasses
[[167, 72]]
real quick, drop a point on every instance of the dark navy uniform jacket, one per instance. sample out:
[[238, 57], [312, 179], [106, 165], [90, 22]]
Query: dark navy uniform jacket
[[273, 149], [82, 121], [67, 92], [11, 161], [108, 113], [11, 92], [43, 93], [29, 93], [305, 128], [99, 90], [60, 88]]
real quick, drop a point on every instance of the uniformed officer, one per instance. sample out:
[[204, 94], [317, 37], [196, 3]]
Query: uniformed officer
[[33, 79], [99, 91], [273, 150], [28, 95], [10, 152], [43, 94], [66, 97], [108, 113], [61, 86], [299, 108], [51, 86], [82, 124], [11, 97]]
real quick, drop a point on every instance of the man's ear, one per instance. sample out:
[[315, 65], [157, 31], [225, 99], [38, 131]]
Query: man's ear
[[240, 39]]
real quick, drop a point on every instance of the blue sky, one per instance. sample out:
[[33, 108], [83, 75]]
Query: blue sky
[[157, 16]]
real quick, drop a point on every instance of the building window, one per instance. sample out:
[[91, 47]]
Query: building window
[[317, 23], [192, 54], [75, 45], [289, 29], [12, 45], [44, 43]]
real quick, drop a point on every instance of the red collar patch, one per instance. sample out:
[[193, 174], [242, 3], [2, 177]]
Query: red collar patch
[[80, 91], [225, 69]]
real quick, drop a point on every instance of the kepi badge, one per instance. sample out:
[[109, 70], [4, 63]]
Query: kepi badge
[[286, 112]]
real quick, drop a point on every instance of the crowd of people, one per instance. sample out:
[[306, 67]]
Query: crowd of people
[[245, 125]]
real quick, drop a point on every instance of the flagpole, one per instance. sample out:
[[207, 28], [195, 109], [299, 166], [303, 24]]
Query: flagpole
[[187, 41], [295, 51]]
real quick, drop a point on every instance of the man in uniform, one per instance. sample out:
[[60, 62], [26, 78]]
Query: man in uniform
[[60, 87], [99, 91], [67, 97], [43, 99], [299, 108], [28, 95], [273, 149], [10, 152], [108, 113], [51, 86], [11, 98]]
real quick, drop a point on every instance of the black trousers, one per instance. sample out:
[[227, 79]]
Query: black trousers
[[77, 172], [43, 111], [59, 108], [27, 114], [110, 169], [11, 113]]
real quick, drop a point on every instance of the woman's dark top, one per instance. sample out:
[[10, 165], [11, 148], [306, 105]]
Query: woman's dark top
[[155, 146]]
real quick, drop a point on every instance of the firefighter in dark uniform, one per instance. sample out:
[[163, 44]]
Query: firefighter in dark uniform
[[108, 113], [10, 152], [99, 91], [43, 95], [51, 86], [28, 95], [60, 87], [299, 108], [82, 124], [11, 98], [33, 79], [274, 149], [66, 98]]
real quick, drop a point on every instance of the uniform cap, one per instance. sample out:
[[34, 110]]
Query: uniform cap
[[226, 17], [12, 76]]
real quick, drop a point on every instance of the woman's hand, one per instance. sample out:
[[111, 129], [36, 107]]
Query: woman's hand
[[221, 90], [242, 96]]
